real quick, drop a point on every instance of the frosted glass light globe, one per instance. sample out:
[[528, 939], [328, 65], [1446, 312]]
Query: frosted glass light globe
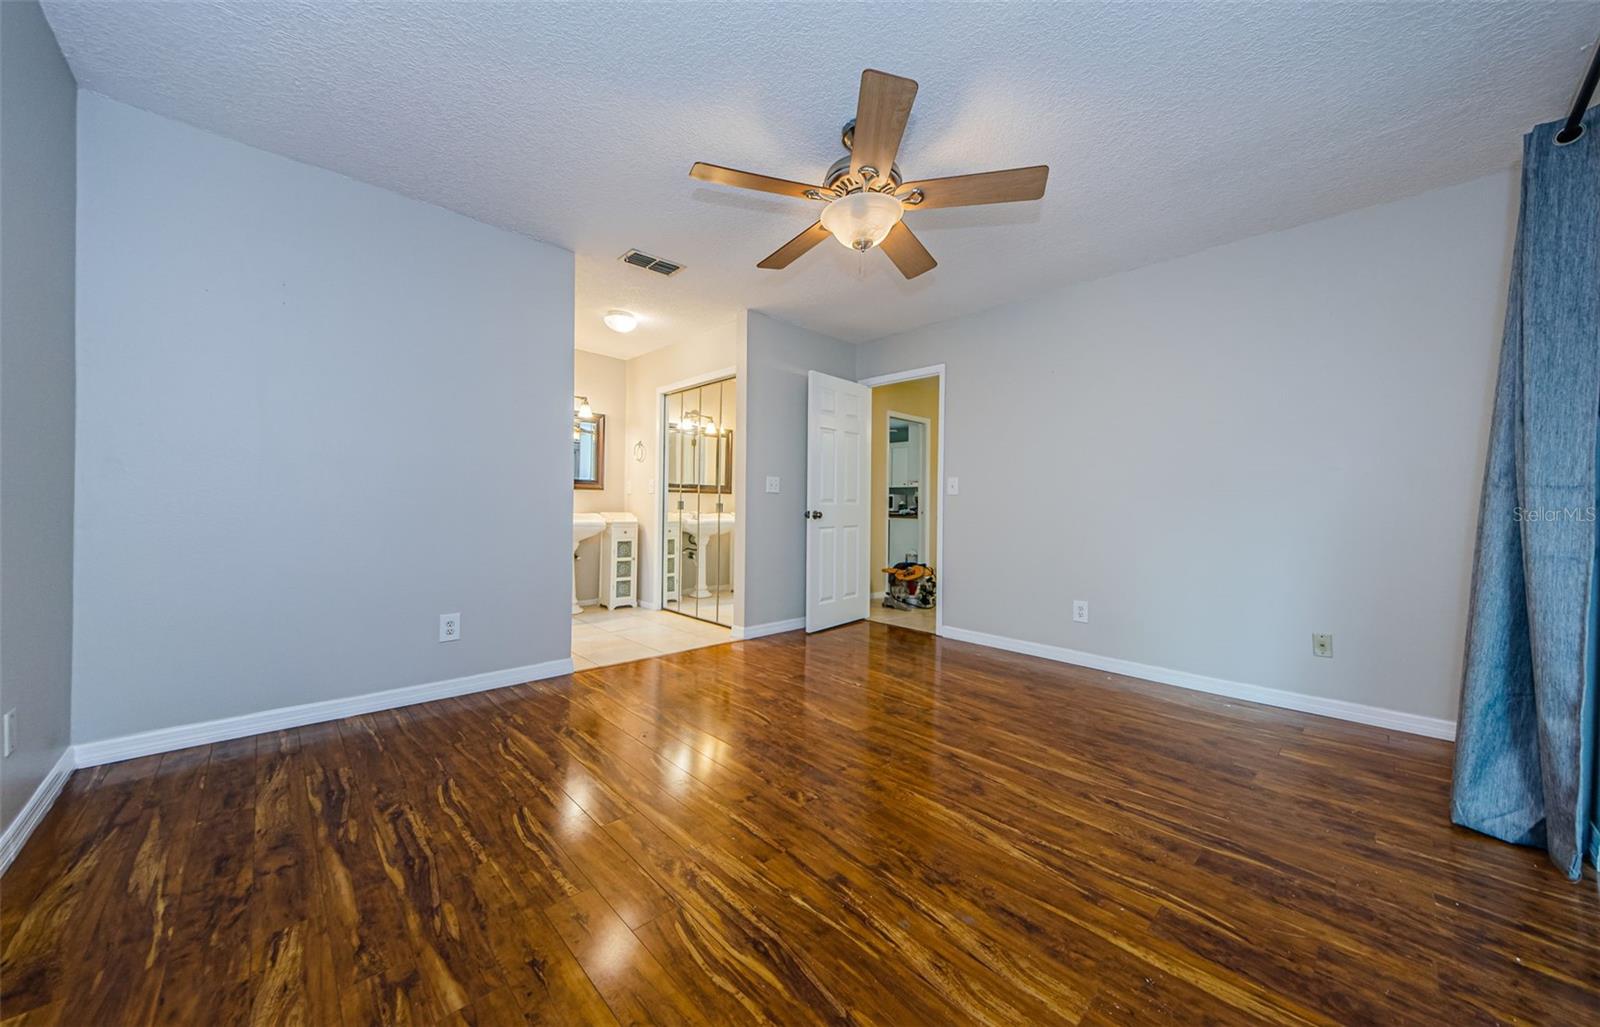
[[862, 220]]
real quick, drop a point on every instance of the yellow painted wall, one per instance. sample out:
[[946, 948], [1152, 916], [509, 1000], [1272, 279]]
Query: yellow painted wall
[[919, 397]]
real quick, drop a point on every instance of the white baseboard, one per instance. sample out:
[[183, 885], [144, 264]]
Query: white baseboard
[[743, 632], [878, 596], [33, 811], [646, 604], [127, 747], [1378, 716]]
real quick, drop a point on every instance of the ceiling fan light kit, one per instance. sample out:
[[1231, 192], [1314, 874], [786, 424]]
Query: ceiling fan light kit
[[865, 206], [862, 220]]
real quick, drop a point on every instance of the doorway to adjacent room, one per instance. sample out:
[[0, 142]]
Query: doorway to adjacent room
[[906, 500]]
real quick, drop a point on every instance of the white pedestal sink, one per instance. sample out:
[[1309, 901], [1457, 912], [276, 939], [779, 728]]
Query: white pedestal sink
[[704, 527], [584, 525]]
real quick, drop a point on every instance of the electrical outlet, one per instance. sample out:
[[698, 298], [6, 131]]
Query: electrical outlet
[[1322, 645], [952, 486], [449, 627], [1080, 611], [10, 730], [772, 483]]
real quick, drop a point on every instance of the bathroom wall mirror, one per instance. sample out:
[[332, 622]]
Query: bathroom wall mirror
[[589, 452]]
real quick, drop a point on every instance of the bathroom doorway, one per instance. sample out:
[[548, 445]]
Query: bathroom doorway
[[906, 498], [698, 435]]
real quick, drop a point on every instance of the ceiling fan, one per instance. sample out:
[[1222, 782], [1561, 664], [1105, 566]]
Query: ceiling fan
[[864, 192]]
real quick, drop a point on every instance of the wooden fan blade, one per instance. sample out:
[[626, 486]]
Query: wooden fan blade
[[750, 180], [986, 187], [881, 113], [907, 251], [786, 254]]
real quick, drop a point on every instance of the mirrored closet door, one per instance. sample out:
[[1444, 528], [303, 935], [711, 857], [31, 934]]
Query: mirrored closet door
[[697, 536]]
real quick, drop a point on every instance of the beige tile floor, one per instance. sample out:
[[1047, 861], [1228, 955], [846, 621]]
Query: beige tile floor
[[916, 620], [601, 636]]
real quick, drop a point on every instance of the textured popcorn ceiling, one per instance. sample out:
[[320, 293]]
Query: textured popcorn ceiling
[[1167, 127]]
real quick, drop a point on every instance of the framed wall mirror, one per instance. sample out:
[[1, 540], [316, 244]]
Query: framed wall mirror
[[589, 452]]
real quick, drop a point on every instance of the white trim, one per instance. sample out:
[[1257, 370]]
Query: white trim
[[721, 374], [742, 633], [127, 747], [1377, 716], [931, 371], [32, 812], [646, 604]]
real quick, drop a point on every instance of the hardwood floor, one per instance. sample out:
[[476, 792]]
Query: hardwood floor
[[871, 825]]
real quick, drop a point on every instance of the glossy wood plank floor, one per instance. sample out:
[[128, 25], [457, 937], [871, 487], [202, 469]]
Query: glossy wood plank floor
[[871, 826]]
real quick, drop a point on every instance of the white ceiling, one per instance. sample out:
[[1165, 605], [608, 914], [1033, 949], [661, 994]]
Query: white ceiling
[[1168, 127]]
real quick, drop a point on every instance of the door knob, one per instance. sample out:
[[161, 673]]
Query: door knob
[[815, 515]]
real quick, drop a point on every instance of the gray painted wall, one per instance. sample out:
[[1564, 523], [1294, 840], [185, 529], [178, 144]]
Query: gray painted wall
[[1225, 453], [38, 104], [776, 357], [313, 416]]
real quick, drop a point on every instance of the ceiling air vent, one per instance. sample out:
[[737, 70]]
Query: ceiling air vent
[[649, 263]]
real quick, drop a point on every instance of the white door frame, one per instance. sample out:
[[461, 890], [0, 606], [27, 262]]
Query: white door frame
[[928, 480], [931, 371], [661, 487]]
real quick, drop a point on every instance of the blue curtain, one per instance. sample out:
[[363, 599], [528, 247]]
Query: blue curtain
[[1525, 746]]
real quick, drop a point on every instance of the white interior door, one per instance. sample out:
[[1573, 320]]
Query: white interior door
[[838, 480]]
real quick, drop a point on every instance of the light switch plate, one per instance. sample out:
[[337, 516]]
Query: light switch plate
[[449, 627], [10, 731], [952, 486], [772, 483]]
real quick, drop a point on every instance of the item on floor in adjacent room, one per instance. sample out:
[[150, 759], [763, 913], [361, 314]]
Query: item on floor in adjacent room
[[911, 587]]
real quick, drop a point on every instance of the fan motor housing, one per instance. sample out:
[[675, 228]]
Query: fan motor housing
[[841, 167]]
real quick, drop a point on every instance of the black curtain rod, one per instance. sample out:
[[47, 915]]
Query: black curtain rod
[[1574, 127]]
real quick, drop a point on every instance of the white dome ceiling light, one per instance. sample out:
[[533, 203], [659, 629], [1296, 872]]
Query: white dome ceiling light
[[864, 192], [621, 321]]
